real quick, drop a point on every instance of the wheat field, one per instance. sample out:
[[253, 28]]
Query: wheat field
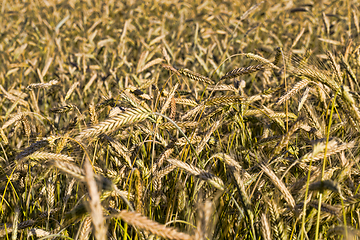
[[179, 119]]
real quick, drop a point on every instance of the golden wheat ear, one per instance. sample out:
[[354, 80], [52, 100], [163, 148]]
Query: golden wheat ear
[[277, 222], [342, 231], [128, 117], [195, 76], [170, 68], [139, 221], [96, 212], [223, 100], [63, 109], [43, 85], [242, 71], [296, 88], [206, 176], [279, 184], [263, 60]]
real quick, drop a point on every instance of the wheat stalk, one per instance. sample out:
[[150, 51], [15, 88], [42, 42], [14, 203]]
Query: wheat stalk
[[13, 98], [317, 76], [26, 126], [277, 223], [15, 118], [165, 55], [193, 140], [303, 98], [4, 137], [165, 171], [93, 114], [50, 190], [153, 133], [286, 138], [333, 148], [136, 103], [335, 67], [257, 97], [348, 69], [166, 154], [71, 90]]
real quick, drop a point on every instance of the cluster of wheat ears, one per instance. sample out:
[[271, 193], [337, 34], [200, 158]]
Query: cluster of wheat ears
[[262, 146]]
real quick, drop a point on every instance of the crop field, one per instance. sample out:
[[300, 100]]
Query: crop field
[[179, 119]]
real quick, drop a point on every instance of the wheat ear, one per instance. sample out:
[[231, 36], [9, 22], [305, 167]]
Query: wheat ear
[[42, 85], [265, 227], [277, 223], [351, 232], [207, 136], [120, 149], [187, 124], [296, 88], [223, 100], [195, 76], [139, 221], [128, 117], [85, 229], [44, 156], [262, 60], [33, 148], [210, 178], [242, 71], [63, 109], [279, 184], [168, 101], [203, 221], [37, 232], [8, 228], [94, 203]]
